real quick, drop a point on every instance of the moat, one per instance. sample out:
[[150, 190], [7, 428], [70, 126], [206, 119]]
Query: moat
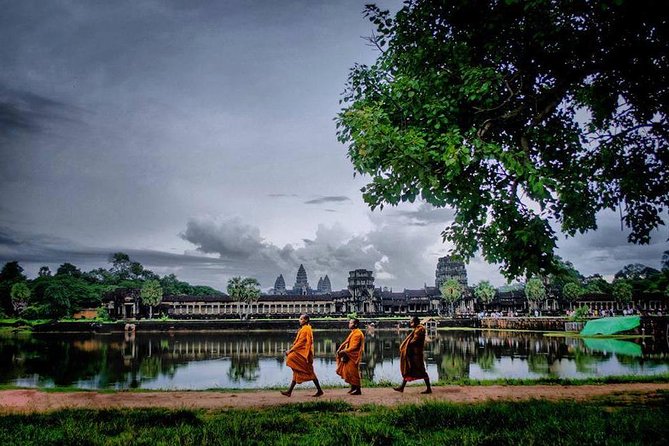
[[255, 359]]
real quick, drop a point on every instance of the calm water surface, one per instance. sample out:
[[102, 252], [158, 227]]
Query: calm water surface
[[255, 359]]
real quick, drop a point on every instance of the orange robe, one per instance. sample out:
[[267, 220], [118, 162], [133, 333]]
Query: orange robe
[[412, 364], [301, 356], [351, 348]]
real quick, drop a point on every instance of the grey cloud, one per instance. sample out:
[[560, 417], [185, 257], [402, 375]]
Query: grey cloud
[[328, 199], [282, 195], [425, 215], [397, 257], [35, 250], [26, 112]]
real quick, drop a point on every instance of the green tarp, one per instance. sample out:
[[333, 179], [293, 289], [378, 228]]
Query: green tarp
[[613, 346], [610, 325]]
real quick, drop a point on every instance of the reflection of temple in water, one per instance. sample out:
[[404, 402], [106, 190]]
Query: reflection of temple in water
[[133, 360]]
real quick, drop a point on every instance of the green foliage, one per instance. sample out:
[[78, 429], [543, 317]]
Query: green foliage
[[596, 284], [151, 294], [103, 314], [70, 289], [10, 274], [580, 314], [622, 291], [451, 290], [244, 290], [572, 291], [20, 293], [535, 291], [68, 269], [473, 105], [636, 271], [353, 315], [485, 292]]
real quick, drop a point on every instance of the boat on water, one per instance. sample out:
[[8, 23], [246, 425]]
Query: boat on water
[[610, 325]]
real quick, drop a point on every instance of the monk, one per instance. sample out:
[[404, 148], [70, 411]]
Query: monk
[[349, 355], [300, 358], [412, 364]]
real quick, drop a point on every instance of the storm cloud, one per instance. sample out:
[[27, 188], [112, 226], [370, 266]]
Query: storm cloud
[[321, 200], [198, 137]]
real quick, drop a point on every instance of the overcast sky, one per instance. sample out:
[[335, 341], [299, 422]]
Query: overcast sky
[[198, 137]]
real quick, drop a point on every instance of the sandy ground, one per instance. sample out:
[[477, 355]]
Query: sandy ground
[[12, 401]]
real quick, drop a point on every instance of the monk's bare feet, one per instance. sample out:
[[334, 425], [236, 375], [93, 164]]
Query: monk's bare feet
[[356, 392], [350, 391], [285, 393], [317, 394], [398, 389], [425, 392]]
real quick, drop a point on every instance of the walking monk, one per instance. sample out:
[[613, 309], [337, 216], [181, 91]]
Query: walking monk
[[300, 358], [349, 355], [412, 364]]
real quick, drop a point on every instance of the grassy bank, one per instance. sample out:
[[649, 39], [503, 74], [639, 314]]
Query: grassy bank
[[535, 422]]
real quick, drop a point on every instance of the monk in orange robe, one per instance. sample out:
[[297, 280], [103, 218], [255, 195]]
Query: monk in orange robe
[[300, 358], [349, 355], [412, 364]]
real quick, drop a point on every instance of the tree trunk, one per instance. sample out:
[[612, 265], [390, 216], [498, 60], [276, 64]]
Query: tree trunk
[[150, 311]]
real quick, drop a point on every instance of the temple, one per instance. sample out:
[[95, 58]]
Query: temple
[[361, 296]]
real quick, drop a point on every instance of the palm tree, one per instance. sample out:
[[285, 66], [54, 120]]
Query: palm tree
[[243, 289], [251, 292], [451, 291], [485, 292], [535, 291]]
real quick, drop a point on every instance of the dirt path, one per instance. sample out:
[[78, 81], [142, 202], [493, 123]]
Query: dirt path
[[38, 401]]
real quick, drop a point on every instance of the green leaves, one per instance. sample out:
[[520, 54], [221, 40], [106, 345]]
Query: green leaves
[[474, 106]]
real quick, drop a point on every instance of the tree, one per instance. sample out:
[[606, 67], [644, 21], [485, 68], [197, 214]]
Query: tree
[[596, 284], [535, 291], [571, 292], [485, 292], [20, 294], [244, 290], [636, 271], [121, 265], [451, 291], [44, 271], [10, 274], [68, 269], [151, 295], [622, 291], [473, 105]]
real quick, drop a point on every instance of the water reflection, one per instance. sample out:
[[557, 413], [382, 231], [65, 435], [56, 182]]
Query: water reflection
[[247, 360]]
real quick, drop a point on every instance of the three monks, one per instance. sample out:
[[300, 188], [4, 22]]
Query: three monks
[[300, 358], [412, 363], [349, 356]]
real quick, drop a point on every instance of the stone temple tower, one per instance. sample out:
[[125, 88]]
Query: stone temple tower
[[327, 288], [450, 268], [280, 285], [324, 285], [301, 283]]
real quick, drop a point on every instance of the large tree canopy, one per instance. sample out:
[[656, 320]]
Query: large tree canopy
[[521, 115]]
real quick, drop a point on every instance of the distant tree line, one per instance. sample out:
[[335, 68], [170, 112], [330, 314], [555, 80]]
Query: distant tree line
[[569, 285], [61, 294]]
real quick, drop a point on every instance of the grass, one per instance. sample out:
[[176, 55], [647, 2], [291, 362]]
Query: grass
[[337, 423]]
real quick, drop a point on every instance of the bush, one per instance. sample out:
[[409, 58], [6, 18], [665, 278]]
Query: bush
[[36, 312], [580, 314], [103, 314]]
